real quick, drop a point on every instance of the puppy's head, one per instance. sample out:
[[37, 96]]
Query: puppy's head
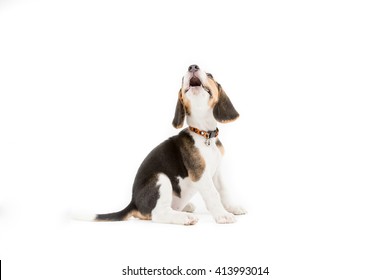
[[202, 98]]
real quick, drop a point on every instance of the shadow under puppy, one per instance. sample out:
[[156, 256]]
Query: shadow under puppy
[[186, 163]]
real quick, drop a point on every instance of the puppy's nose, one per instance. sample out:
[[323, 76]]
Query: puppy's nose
[[193, 68]]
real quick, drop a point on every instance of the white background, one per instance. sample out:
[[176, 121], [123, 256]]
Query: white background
[[88, 88]]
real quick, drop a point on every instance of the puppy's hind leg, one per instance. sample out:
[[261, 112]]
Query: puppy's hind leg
[[163, 212]]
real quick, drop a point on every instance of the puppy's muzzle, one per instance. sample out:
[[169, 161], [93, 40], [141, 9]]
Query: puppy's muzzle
[[194, 80]]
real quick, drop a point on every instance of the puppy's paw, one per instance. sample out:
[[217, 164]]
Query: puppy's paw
[[190, 220], [236, 210], [174, 217], [190, 208], [226, 218]]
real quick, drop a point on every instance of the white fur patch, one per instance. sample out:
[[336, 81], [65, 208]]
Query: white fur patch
[[187, 192], [163, 212]]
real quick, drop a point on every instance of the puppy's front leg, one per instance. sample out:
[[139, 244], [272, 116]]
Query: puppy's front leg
[[225, 198], [212, 200]]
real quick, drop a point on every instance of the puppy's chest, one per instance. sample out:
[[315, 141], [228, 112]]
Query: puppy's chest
[[211, 155]]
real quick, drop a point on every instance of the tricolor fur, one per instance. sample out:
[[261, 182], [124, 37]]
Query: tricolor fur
[[185, 164]]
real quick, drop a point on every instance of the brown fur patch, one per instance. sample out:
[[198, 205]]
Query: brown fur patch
[[220, 146], [186, 104], [212, 85], [193, 160], [229, 121], [139, 215]]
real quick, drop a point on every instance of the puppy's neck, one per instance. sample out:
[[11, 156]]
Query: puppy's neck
[[206, 123]]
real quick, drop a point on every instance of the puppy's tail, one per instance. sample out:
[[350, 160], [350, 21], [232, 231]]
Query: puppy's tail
[[122, 215], [117, 216]]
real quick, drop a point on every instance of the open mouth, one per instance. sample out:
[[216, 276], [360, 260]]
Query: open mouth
[[195, 82]]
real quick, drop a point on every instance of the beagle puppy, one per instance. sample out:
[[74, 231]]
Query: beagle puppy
[[186, 163]]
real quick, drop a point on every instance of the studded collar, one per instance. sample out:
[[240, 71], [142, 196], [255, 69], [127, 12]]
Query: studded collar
[[206, 134]]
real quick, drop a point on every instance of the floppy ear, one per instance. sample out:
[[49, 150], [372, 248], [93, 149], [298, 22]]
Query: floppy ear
[[224, 110], [180, 113]]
